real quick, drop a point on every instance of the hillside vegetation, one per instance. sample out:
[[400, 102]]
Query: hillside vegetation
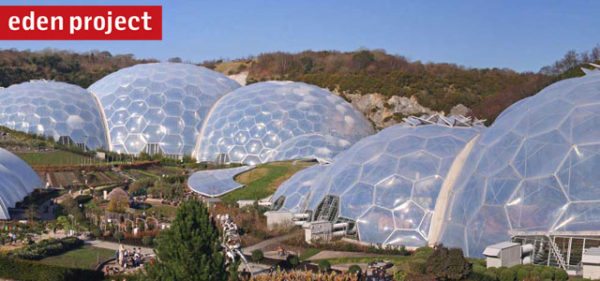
[[439, 86], [81, 69]]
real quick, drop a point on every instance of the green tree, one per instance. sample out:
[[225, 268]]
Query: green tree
[[190, 248], [448, 264]]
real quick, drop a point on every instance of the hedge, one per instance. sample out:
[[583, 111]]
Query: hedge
[[48, 247], [23, 270]]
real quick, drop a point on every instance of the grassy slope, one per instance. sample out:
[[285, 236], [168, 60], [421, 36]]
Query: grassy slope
[[84, 257], [263, 180], [54, 158]]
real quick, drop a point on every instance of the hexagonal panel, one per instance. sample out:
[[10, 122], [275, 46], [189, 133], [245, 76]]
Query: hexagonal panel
[[393, 191], [276, 113], [375, 225], [53, 109], [160, 92]]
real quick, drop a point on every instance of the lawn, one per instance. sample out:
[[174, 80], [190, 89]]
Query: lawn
[[263, 180], [55, 158], [162, 211], [309, 253], [85, 257]]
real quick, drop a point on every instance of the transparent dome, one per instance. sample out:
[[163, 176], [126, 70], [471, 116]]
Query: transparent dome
[[68, 113], [250, 124], [159, 107], [388, 183], [535, 170], [215, 183], [310, 146], [292, 194], [17, 180]]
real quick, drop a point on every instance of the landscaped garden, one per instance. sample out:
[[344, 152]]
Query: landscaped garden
[[86, 257], [263, 180]]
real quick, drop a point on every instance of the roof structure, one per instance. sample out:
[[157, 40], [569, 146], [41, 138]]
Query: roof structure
[[67, 113], [158, 107], [282, 121], [216, 183]]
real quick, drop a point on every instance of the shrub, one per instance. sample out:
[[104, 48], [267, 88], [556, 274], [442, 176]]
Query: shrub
[[547, 273], [417, 266], [423, 252], [480, 273], [324, 266], [293, 260], [522, 273], [257, 255], [492, 273], [355, 269], [147, 240], [448, 264], [507, 274], [560, 275], [400, 275], [48, 247], [118, 236]]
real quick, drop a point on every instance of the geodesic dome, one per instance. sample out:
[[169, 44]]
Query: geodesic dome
[[534, 171], [251, 123], [65, 112], [158, 107], [388, 183], [310, 146], [17, 180], [292, 194]]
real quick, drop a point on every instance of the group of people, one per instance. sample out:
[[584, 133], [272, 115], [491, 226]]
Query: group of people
[[132, 258]]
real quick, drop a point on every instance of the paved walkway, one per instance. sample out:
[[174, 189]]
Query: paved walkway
[[264, 244], [115, 246], [339, 254]]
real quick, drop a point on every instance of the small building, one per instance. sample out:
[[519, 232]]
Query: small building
[[504, 254], [276, 219], [591, 263], [318, 231]]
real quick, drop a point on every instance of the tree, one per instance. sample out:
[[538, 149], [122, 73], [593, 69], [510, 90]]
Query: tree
[[118, 204], [190, 248], [448, 264]]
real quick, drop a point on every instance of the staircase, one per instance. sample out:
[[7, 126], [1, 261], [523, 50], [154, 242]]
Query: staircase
[[328, 209], [557, 254]]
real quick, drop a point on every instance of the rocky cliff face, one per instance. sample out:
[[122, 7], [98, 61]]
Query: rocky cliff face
[[383, 111]]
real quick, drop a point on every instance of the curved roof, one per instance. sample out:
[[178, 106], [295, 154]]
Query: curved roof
[[251, 123], [535, 170], [214, 183], [162, 104], [310, 146], [291, 195], [17, 180], [53, 109], [388, 183]]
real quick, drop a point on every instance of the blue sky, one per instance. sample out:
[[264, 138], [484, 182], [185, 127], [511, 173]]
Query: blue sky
[[522, 35]]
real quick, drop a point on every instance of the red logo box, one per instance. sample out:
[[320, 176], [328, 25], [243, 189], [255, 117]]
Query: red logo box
[[80, 22]]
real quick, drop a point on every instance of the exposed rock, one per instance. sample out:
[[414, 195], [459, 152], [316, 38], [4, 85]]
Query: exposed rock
[[384, 112], [240, 77], [460, 109]]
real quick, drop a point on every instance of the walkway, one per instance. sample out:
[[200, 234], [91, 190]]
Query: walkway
[[264, 244], [325, 255], [115, 246]]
